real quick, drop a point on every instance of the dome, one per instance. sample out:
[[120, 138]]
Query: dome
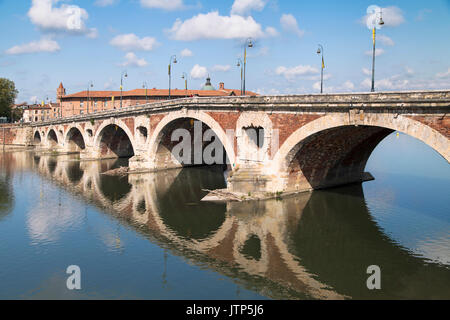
[[208, 86]]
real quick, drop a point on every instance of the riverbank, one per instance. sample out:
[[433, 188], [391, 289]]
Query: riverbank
[[12, 147]]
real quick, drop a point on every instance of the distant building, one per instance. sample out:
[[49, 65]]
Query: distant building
[[208, 86], [96, 101], [36, 112]]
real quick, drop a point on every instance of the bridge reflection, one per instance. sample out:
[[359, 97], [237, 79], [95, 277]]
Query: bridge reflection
[[315, 245]]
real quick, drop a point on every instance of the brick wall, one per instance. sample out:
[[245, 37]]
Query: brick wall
[[440, 124], [7, 135], [287, 124]]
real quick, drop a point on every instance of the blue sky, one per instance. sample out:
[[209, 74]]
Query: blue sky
[[45, 42]]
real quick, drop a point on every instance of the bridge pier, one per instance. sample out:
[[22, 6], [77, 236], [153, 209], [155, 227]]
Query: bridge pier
[[140, 162]]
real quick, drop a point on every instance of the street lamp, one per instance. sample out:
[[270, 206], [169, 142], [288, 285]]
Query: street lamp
[[240, 64], [248, 43], [174, 60], [185, 77], [47, 101], [90, 85], [320, 51], [380, 22], [124, 74], [144, 86]]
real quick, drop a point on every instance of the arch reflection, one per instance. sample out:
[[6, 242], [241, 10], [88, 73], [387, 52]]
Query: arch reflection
[[315, 245]]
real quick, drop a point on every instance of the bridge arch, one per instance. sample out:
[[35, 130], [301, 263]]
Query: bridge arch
[[114, 139], [52, 138], [37, 138], [75, 140], [204, 118], [333, 150]]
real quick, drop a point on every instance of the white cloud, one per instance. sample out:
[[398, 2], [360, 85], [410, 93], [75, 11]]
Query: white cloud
[[392, 83], [261, 52], [366, 83], [33, 99], [316, 85], [409, 71], [293, 72], [242, 7], [366, 71], [43, 45], [163, 4], [131, 41], [317, 77], [65, 18], [385, 40], [345, 87], [268, 92], [221, 68], [289, 24], [199, 72], [186, 53], [378, 52], [348, 85], [392, 16], [110, 84], [105, 3], [443, 75], [131, 60], [214, 26], [271, 32], [92, 33]]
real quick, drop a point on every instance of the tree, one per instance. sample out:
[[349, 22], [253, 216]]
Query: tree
[[16, 114], [8, 94]]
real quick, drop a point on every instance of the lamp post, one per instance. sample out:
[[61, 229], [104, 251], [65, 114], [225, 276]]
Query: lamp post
[[144, 86], [320, 51], [47, 104], [90, 85], [174, 60], [185, 77], [380, 22], [124, 74], [240, 64], [248, 43]]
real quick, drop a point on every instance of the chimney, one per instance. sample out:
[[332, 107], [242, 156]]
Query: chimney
[[221, 86]]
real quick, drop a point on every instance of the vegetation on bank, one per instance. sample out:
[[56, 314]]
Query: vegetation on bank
[[8, 94]]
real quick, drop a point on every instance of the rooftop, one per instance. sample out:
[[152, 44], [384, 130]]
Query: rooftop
[[176, 93]]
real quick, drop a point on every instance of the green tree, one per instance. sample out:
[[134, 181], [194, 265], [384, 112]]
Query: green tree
[[16, 114], [8, 94]]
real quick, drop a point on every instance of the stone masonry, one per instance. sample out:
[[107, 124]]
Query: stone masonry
[[304, 141]]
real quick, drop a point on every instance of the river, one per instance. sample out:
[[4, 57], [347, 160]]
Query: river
[[149, 236]]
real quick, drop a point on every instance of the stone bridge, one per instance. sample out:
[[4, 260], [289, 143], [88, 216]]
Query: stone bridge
[[271, 144]]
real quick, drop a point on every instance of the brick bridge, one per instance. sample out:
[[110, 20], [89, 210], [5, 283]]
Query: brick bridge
[[302, 142]]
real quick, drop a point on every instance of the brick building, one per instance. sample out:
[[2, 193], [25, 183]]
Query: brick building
[[96, 101]]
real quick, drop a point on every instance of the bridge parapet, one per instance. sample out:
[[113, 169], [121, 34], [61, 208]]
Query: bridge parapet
[[404, 102]]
